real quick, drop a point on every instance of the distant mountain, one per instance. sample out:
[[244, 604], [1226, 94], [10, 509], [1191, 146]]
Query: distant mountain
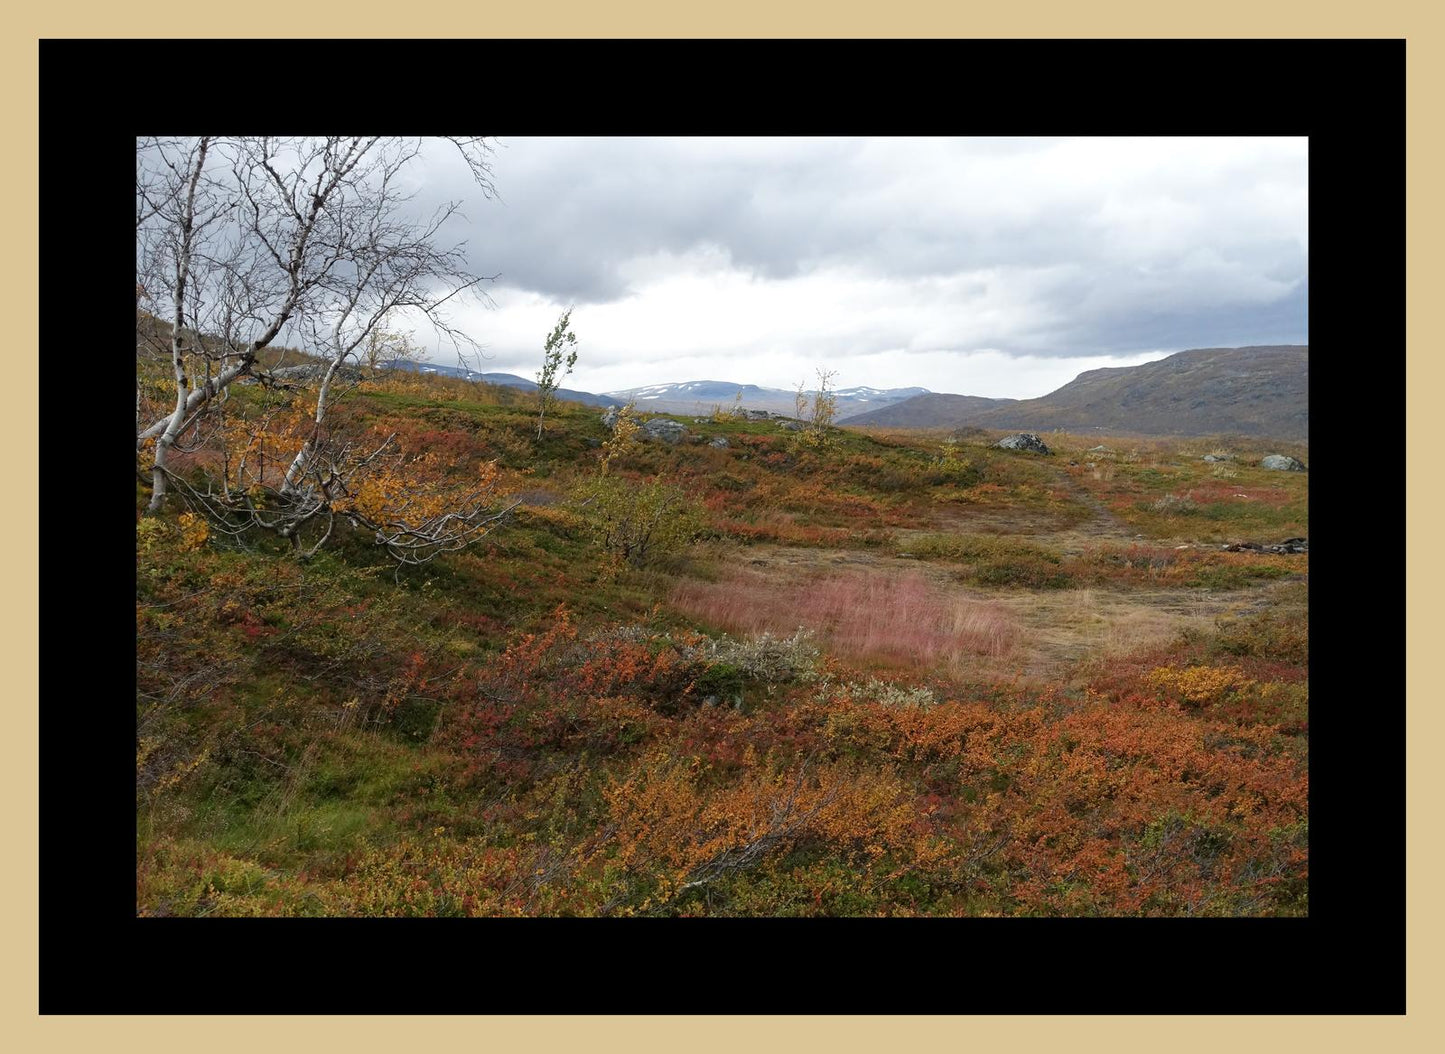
[[699, 397], [506, 380], [1260, 391], [930, 410]]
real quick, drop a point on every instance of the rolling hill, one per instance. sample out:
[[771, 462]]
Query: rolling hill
[[1260, 391]]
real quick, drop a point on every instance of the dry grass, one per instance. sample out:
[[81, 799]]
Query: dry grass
[[871, 606], [900, 619], [1083, 628]]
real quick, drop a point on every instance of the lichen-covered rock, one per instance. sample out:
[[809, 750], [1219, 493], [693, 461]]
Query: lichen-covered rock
[[665, 429], [720, 442], [609, 416], [1029, 441], [791, 426], [314, 372], [1283, 463]]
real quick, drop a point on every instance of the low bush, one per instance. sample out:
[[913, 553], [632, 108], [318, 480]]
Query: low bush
[[994, 560], [639, 521]]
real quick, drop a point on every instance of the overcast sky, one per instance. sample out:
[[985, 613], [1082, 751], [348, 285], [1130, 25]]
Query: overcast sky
[[995, 267]]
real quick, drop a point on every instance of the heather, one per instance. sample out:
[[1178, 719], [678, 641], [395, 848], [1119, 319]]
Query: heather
[[870, 674]]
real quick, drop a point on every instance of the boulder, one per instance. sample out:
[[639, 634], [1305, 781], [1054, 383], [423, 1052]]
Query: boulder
[[314, 372], [1029, 441], [720, 442], [1282, 463], [665, 429], [1217, 457], [791, 426], [609, 416]]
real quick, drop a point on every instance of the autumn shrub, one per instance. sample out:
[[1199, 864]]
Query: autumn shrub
[[1188, 566], [993, 560], [887, 693], [675, 834], [639, 521], [1276, 635], [766, 658], [1198, 685]]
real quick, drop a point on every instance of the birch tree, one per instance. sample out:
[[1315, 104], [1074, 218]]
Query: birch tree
[[248, 237], [555, 366]]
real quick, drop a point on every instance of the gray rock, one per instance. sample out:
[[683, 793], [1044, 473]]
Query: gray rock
[[1287, 547], [791, 426], [720, 442], [665, 429], [1217, 457], [1282, 463], [315, 372], [1101, 446], [1029, 441], [609, 416]]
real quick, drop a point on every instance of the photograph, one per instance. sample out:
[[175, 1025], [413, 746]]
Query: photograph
[[764, 526]]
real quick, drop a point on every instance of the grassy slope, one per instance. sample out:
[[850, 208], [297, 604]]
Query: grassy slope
[[1013, 693]]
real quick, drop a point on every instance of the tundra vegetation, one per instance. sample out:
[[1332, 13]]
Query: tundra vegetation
[[413, 645], [881, 675]]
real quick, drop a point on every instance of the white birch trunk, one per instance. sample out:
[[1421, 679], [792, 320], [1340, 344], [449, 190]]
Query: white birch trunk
[[173, 423]]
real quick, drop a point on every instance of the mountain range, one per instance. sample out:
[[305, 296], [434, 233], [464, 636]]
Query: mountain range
[[699, 397], [1205, 391]]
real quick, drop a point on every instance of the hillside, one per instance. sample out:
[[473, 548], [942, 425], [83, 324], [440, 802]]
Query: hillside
[[735, 674], [1254, 391], [504, 380]]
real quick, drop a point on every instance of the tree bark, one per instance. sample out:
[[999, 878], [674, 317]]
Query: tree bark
[[173, 423]]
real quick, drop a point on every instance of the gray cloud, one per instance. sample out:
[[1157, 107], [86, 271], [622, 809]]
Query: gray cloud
[[1055, 247]]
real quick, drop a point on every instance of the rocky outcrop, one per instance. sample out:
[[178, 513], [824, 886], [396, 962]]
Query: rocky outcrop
[[313, 372], [1029, 441], [1282, 463], [665, 429], [1286, 547]]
